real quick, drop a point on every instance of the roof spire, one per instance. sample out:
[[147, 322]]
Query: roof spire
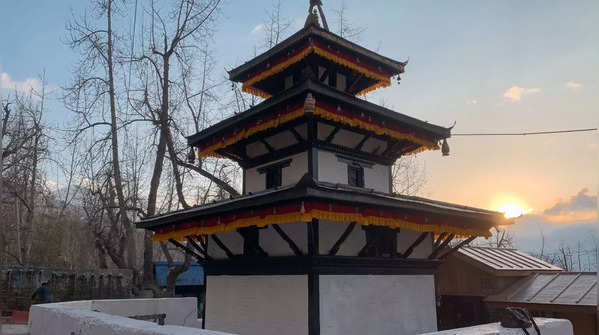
[[312, 18]]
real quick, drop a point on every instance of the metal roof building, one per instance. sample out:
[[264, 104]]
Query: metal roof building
[[562, 288], [564, 295], [504, 261], [471, 274]]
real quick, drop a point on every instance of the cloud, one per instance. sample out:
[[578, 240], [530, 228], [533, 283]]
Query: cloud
[[26, 85], [515, 93], [257, 29], [580, 207], [573, 85]]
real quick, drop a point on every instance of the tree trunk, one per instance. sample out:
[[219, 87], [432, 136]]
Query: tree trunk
[[173, 273], [116, 167]]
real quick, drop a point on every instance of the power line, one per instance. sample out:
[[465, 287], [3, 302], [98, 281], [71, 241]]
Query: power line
[[528, 133]]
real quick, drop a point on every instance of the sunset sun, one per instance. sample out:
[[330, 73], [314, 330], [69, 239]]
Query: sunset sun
[[511, 210]]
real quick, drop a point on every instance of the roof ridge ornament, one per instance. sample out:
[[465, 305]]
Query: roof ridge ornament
[[312, 19]]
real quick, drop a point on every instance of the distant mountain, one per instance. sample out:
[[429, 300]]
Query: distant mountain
[[587, 234], [584, 236]]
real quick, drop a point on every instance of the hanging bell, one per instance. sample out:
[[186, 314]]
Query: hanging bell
[[445, 148], [191, 156]]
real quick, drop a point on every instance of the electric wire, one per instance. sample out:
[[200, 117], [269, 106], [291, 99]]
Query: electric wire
[[528, 133]]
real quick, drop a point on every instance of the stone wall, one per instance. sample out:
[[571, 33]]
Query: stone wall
[[17, 284]]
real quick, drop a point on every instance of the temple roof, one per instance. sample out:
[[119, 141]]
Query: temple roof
[[432, 133], [392, 66], [309, 199], [374, 70]]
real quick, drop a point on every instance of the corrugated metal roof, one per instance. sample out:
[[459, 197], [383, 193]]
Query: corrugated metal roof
[[503, 259], [561, 288]]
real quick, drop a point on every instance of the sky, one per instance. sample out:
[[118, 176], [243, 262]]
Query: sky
[[487, 66]]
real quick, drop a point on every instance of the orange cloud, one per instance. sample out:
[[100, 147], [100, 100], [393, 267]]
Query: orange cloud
[[515, 93], [580, 207]]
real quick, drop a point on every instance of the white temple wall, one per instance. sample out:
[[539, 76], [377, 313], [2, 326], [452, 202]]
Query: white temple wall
[[331, 169], [257, 305], [373, 304], [256, 181]]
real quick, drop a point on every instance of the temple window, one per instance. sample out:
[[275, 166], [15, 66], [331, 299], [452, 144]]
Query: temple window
[[274, 173], [380, 242], [323, 75], [288, 81], [274, 177], [341, 82], [355, 175]]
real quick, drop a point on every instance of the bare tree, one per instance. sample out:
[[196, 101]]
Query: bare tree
[[275, 25], [23, 192], [94, 86], [343, 26], [408, 175], [168, 70]]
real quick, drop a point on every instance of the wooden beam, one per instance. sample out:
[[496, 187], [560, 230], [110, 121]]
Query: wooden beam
[[395, 253], [296, 250], [332, 135], [376, 150], [350, 227], [351, 87], [222, 246], [324, 76], [361, 144], [226, 154], [454, 249], [438, 249], [187, 250], [439, 240], [416, 243], [391, 145], [368, 244], [268, 146], [269, 157], [202, 251], [297, 135], [257, 249], [203, 242], [313, 237], [238, 150], [351, 152]]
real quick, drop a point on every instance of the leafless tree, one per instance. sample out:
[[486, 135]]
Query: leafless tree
[[343, 26], [275, 25], [29, 225], [92, 97], [408, 175]]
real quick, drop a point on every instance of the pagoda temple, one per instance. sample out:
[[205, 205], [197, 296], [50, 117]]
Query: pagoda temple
[[318, 243]]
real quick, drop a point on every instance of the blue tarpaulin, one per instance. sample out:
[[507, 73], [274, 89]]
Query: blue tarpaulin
[[194, 276]]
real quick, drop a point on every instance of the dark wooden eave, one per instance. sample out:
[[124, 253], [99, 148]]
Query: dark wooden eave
[[309, 189], [392, 66], [320, 90]]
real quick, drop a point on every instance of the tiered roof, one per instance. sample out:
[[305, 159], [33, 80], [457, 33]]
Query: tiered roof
[[310, 199], [287, 109], [371, 69]]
